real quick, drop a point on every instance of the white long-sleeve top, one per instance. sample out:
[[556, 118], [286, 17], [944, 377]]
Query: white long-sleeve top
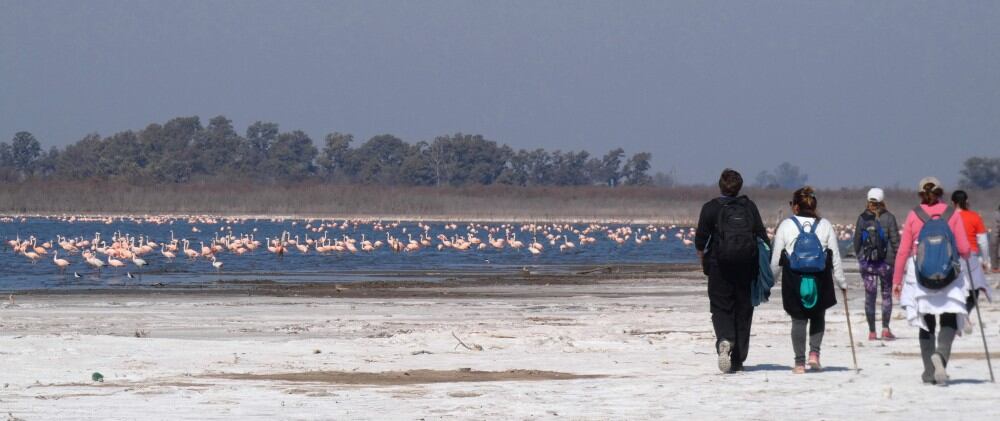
[[784, 239]]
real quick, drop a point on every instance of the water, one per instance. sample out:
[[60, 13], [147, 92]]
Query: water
[[18, 273]]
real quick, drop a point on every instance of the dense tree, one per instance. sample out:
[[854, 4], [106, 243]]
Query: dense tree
[[609, 171], [182, 149], [336, 152], [218, 147], [785, 176], [291, 157], [635, 170], [981, 173], [378, 160], [24, 153]]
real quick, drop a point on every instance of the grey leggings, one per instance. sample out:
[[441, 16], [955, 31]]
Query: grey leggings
[[817, 325]]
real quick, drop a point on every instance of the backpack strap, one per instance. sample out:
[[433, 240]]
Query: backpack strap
[[921, 213], [814, 226], [924, 216], [797, 224], [948, 212]]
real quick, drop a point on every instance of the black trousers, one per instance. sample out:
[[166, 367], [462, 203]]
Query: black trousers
[[732, 310]]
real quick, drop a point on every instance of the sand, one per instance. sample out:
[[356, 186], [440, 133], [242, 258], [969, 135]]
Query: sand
[[637, 348]]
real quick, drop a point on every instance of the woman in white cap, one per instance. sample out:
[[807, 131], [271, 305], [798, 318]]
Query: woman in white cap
[[876, 239], [932, 292]]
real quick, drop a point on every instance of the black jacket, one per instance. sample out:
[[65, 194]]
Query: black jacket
[[791, 297], [709, 216]]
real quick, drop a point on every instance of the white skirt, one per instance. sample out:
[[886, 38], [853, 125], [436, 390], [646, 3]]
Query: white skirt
[[918, 301]]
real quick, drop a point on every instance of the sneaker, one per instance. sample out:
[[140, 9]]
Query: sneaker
[[887, 335], [968, 326], [872, 336], [799, 368], [814, 361], [940, 373], [725, 356]]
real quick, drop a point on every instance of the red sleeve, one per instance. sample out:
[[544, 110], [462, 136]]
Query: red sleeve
[[978, 225]]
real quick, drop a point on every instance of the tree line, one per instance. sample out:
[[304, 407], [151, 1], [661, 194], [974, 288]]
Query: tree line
[[183, 150]]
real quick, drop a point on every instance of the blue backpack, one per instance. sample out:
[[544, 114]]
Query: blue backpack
[[937, 254], [808, 254]]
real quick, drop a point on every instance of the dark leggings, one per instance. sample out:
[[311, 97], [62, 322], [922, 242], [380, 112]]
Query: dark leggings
[[817, 325], [949, 320], [877, 275]]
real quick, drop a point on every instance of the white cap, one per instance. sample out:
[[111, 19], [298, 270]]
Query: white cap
[[928, 180], [876, 195]]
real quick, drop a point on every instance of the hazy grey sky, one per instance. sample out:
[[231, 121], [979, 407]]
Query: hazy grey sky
[[854, 92]]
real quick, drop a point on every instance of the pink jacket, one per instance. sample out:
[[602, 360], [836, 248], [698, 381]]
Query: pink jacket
[[911, 230]]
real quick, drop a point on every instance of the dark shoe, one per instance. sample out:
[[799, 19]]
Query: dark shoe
[[927, 378], [940, 372], [738, 367], [725, 356]]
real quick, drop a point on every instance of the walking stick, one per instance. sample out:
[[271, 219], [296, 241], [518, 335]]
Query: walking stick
[[850, 332], [982, 331]]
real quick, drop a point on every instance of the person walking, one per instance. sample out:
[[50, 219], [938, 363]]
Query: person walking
[[876, 239], [726, 241], [926, 277], [976, 266], [806, 249]]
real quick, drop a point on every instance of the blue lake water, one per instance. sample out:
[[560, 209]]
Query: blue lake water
[[19, 273]]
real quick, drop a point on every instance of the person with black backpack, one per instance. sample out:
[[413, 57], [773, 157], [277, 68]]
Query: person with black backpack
[[876, 239], [806, 249], [927, 279], [727, 236]]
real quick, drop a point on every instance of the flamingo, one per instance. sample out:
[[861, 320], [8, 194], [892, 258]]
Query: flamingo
[[61, 263], [169, 255], [115, 263], [216, 264]]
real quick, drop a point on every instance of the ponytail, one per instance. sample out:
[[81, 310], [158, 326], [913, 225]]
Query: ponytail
[[805, 200], [931, 194]]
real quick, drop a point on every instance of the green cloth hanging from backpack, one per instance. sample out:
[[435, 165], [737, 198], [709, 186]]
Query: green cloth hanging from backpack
[[808, 291]]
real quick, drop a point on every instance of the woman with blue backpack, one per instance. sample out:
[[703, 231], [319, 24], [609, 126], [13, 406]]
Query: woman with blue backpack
[[927, 279], [806, 249], [876, 239]]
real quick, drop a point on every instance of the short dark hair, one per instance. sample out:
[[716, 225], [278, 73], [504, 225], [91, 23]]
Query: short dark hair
[[730, 182]]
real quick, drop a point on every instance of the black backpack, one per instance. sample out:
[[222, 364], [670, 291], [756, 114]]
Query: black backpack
[[874, 247], [734, 237]]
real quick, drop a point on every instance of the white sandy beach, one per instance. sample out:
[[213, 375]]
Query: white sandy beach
[[194, 345]]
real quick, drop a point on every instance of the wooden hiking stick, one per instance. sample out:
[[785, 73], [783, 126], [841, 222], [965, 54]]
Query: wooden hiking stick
[[850, 332]]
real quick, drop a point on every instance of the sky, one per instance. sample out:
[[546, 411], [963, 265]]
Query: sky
[[855, 93]]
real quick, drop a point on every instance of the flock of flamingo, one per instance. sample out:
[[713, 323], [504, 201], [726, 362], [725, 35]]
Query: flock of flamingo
[[122, 249]]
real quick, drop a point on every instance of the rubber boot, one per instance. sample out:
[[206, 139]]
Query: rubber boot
[[926, 351]]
